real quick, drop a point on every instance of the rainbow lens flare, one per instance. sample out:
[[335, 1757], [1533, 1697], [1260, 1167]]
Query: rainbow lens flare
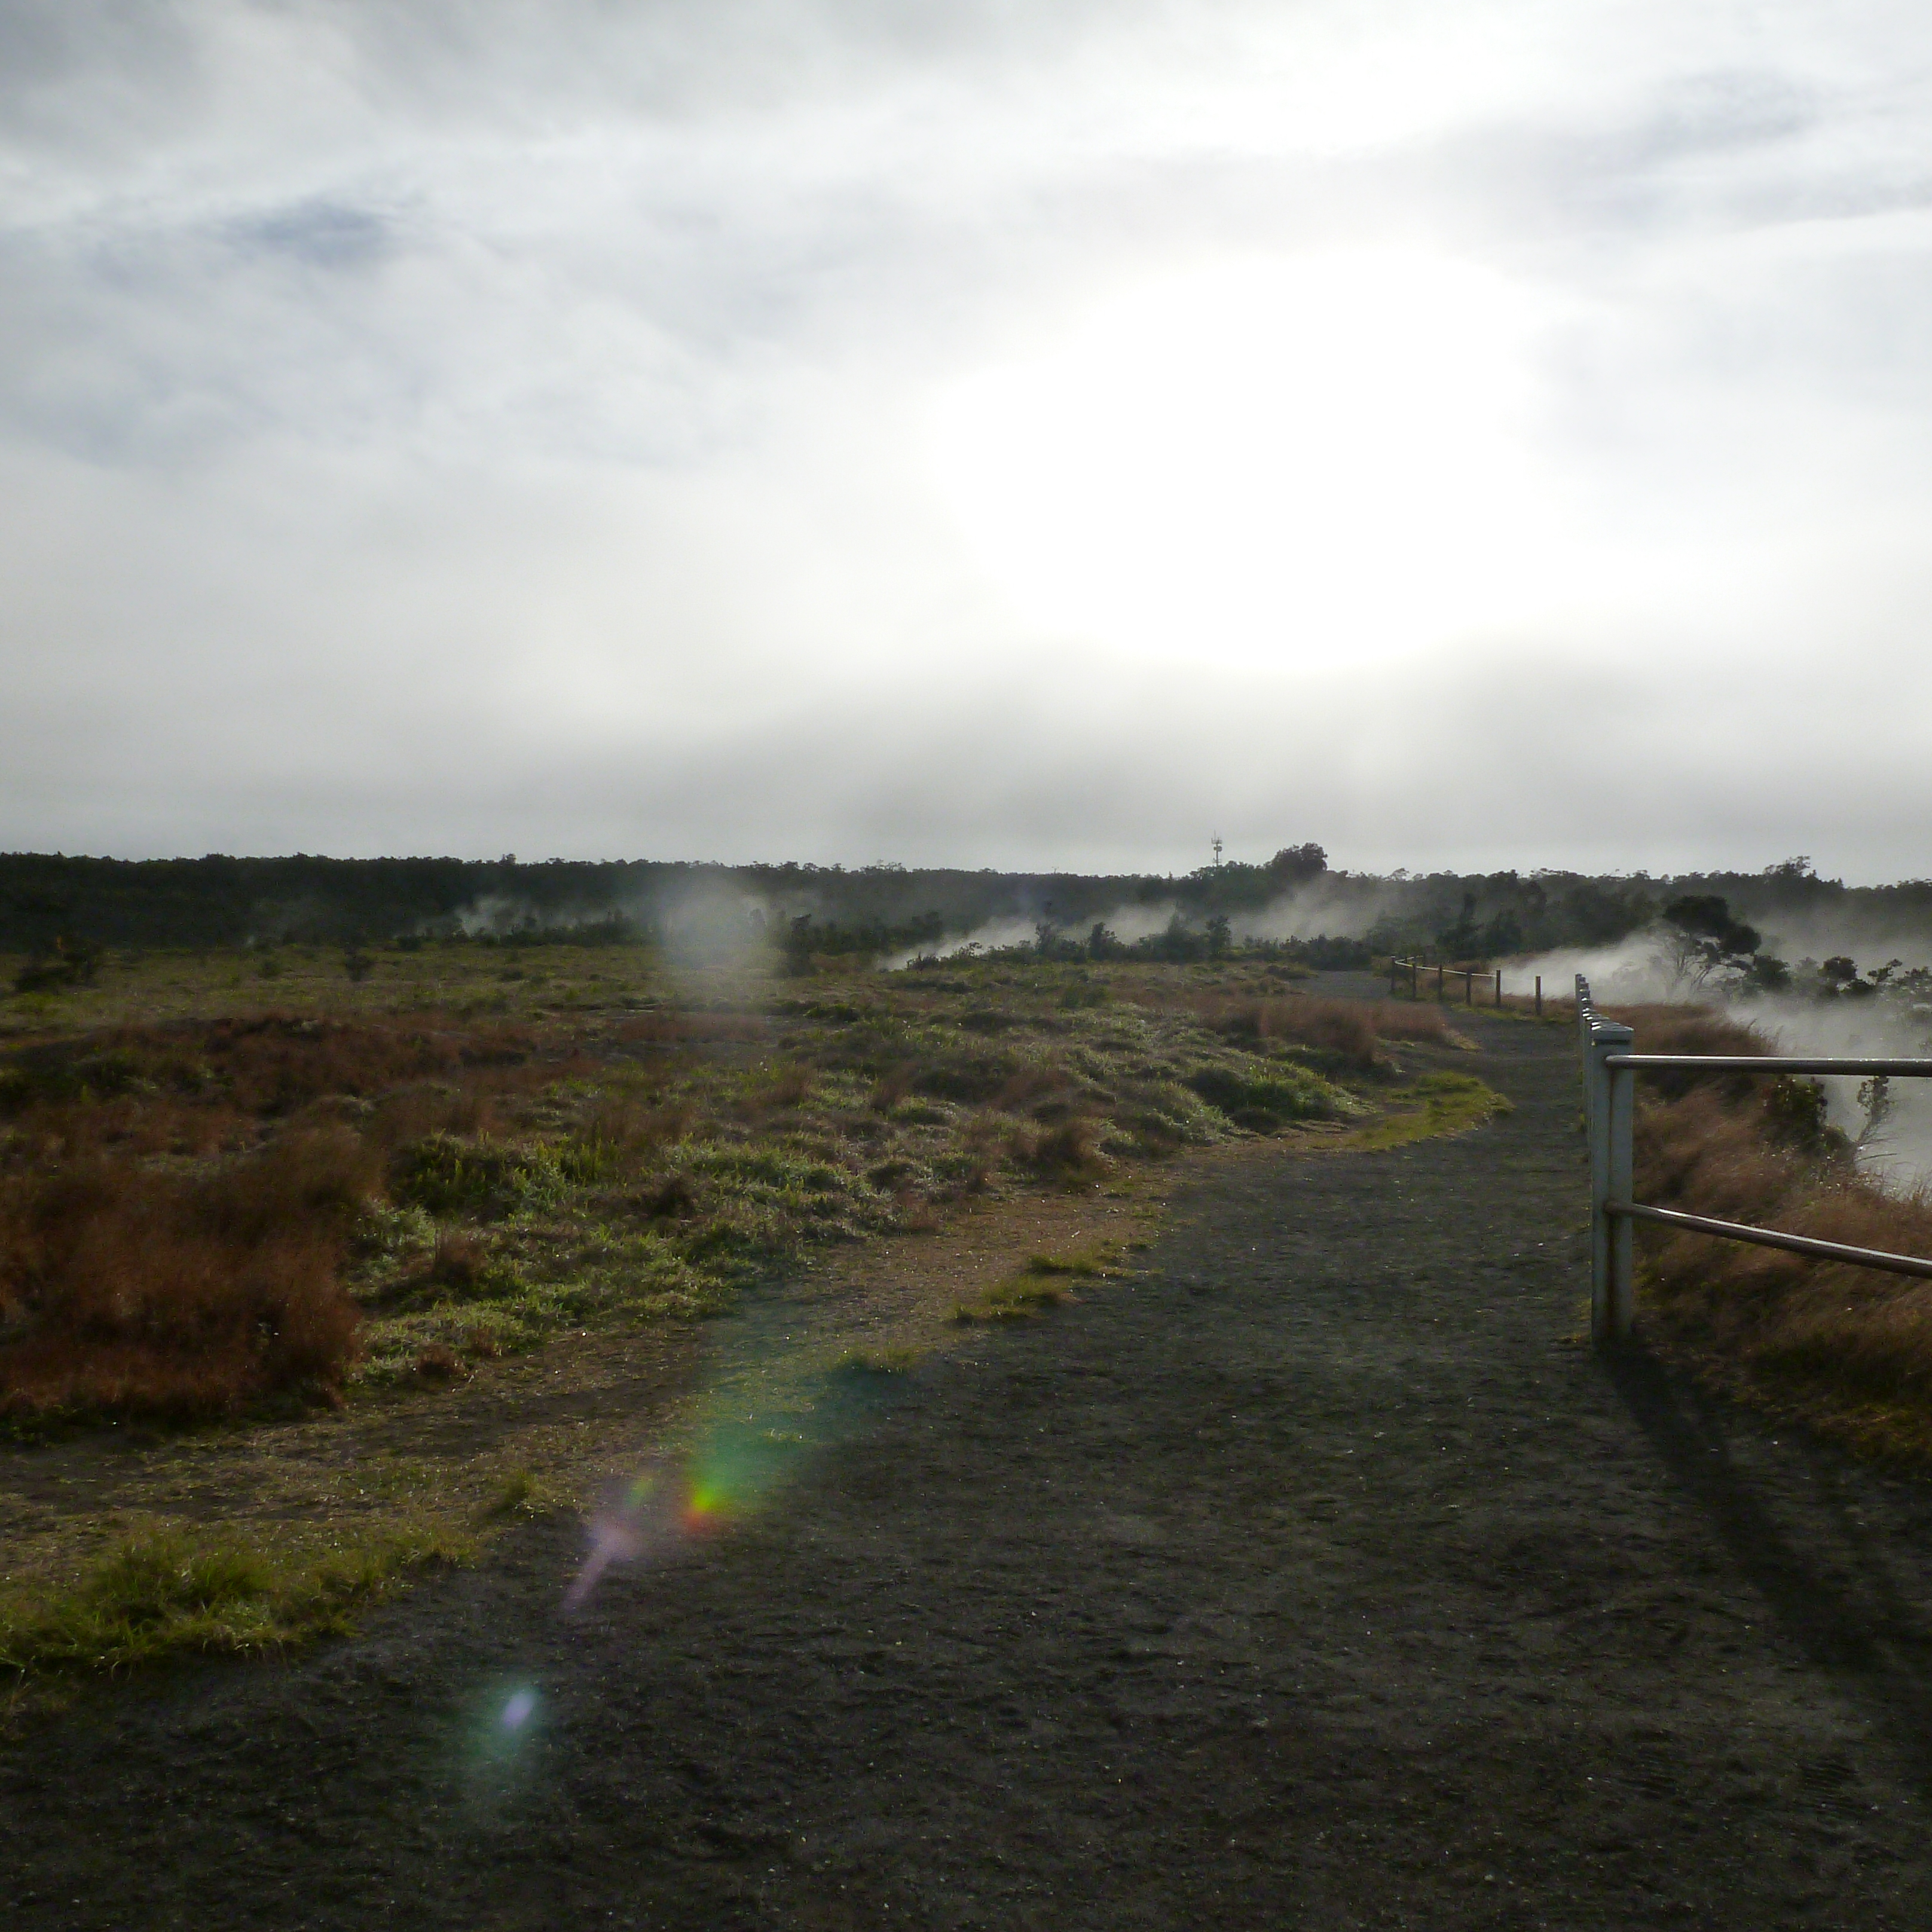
[[732, 1466]]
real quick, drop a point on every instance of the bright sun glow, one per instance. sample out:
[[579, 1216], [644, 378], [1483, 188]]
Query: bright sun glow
[[1303, 462]]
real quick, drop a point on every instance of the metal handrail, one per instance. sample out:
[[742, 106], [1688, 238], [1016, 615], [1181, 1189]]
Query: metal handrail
[[1770, 1063], [1610, 1111], [1772, 1237]]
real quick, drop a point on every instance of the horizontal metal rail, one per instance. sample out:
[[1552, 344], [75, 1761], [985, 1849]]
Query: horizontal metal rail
[[1771, 1237], [1610, 1114], [1770, 1063]]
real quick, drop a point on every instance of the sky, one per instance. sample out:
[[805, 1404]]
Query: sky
[[1030, 433]]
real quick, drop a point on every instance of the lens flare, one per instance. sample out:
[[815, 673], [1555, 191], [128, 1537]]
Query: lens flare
[[705, 1509], [734, 1465], [502, 1727], [751, 1432]]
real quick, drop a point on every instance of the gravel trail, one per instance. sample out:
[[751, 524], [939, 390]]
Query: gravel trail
[[1315, 1577]]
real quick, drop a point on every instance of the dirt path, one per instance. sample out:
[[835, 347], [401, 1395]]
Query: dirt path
[[1315, 1578]]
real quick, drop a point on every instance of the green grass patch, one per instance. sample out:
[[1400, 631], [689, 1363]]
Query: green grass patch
[[1449, 1103], [164, 1593], [1262, 1096], [1040, 1284], [507, 1308], [523, 1493], [1088, 1264], [445, 1174], [879, 1361]]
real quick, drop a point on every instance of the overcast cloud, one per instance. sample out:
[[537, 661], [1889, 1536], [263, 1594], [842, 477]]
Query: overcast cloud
[[1026, 434]]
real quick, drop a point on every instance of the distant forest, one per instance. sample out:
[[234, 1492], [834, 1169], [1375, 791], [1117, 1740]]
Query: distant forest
[[49, 901]]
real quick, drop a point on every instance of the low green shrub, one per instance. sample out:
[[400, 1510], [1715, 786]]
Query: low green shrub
[[447, 1175], [1263, 1097]]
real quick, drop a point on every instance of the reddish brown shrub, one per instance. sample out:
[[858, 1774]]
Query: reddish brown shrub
[[439, 1363], [124, 1297], [127, 1282], [1349, 1028], [179, 1295], [414, 1113], [456, 1261], [1410, 1019], [670, 1199], [626, 1132], [916, 1214]]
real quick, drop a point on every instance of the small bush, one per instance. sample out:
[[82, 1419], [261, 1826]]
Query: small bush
[[1089, 1266], [457, 1262], [893, 1086], [1067, 1153], [672, 1198], [522, 1493], [1262, 1098], [438, 1362], [447, 1176]]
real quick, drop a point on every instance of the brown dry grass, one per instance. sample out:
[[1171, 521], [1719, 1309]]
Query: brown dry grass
[[1068, 1152], [179, 1295], [1350, 1030], [1395, 1020], [1850, 1347], [176, 1201]]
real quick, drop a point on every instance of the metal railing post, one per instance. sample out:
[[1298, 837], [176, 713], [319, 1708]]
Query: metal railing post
[[1622, 1310], [1499, 986], [1539, 996], [1606, 1108], [1441, 981]]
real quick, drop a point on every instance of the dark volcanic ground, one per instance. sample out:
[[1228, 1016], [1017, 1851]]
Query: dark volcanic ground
[[1317, 1578]]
